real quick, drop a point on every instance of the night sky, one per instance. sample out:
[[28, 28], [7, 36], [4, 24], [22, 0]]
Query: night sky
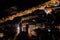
[[20, 5]]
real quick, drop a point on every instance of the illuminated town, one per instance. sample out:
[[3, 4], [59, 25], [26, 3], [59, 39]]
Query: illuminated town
[[40, 22]]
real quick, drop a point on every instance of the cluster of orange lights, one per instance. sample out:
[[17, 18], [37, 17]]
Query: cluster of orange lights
[[21, 13]]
